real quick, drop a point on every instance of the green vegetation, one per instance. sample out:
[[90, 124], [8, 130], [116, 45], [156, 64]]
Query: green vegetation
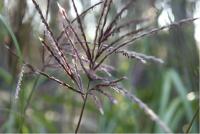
[[61, 82]]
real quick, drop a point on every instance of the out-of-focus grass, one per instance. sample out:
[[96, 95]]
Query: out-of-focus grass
[[169, 107], [172, 110], [9, 124], [9, 30], [6, 76]]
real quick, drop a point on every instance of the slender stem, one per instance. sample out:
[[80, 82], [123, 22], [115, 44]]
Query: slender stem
[[44, 34], [192, 121], [81, 115], [28, 101], [81, 15], [82, 109]]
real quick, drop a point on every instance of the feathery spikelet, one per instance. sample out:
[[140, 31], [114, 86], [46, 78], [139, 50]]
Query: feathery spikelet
[[18, 88]]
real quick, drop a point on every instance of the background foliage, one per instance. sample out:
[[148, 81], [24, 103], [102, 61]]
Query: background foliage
[[170, 89]]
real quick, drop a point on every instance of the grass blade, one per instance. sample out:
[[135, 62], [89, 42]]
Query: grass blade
[[16, 43]]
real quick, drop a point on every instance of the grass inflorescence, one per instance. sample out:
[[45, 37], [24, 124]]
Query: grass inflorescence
[[86, 58]]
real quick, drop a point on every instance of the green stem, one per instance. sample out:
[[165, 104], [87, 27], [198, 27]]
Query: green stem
[[192, 121], [28, 101]]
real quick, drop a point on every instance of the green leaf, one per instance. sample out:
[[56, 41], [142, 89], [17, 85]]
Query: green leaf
[[9, 29]]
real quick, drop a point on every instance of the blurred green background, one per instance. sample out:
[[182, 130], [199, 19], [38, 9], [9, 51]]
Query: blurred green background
[[170, 89]]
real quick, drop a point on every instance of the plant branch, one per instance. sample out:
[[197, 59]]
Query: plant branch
[[81, 28], [64, 15], [118, 28], [97, 28], [118, 40], [82, 14], [68, 69], [44, 34], [148, 33], [44, 74], [76, 52], [53, 38], [104, 22], [192, 121]]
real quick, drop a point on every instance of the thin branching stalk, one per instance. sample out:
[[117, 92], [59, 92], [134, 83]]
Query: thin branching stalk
[[118, 28], [97, 29], [107, 84], [81, 15], [135, 55], [44, 34], [53, 38], [58, 81], [110, 97], [76, 52], [148, 33], [64, 15], [82, 31], [147, 110], [192, 121], [113, 23], [37, 71], [132, 33], [153, 31], [104, 21], [118, 40], [67, 70], [99, 22]]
